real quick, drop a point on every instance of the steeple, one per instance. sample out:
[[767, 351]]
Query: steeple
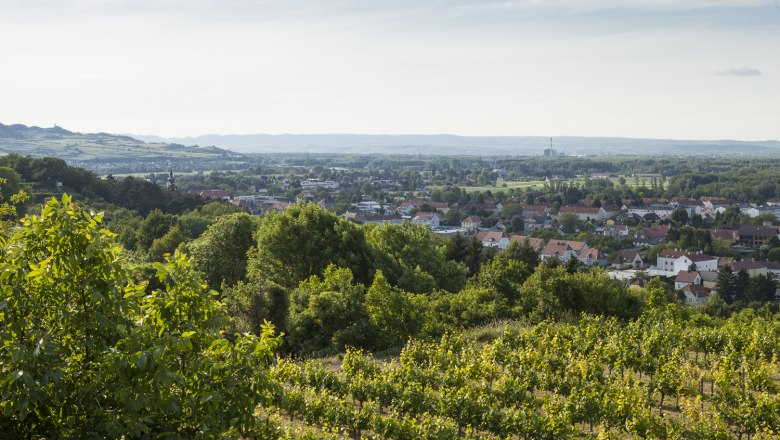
[[171, 184]]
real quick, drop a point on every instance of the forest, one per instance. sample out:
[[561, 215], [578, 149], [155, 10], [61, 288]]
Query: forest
[[187, 318]]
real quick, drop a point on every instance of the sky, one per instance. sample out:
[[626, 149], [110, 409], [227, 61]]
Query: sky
[[672, 69]]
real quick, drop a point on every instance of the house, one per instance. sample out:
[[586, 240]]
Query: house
[[585, 213], [709, 279], [773, 202], [773, 267], [616, 231], [592, 257], [429, 219], [439, 206], [537, 222], [695, 294], [629, 257], [563, 250], [487, 206], [471, 223], [535, 243], [405, 208], [673, 261], [662, 211], [714, 204], [315, 183], [280, 206], [651, 235], [749, 210], [213, 194], [495, 239], [686, 277], [756, 235], [535, 210], [752, 267], [377, 219], [727, 235]]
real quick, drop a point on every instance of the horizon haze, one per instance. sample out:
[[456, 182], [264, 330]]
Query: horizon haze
[[699, 69]]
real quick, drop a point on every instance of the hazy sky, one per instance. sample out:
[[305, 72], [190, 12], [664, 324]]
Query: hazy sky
[[693, 69]]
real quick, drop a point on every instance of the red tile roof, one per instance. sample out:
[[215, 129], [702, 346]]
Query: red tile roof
[[686, 276]]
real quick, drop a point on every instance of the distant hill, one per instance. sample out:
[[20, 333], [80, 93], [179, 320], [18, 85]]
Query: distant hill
[[471, 145], [93, 148]]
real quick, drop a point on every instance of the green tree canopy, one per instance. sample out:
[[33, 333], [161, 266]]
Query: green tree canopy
[[85, 353], [414, 259], [329, 314], [302, 241], [221, 252]]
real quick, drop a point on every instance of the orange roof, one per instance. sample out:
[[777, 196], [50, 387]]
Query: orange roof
[[590, 254], [536, 243], [490, 236], [686, 276]]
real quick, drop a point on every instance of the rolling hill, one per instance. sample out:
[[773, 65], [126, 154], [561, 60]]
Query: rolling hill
[[96, 148]]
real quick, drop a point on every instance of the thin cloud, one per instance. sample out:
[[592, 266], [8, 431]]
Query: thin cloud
[[740, 71]]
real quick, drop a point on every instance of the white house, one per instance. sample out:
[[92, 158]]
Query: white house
[[471, 223], [686, 277], [495, 239], [673, 261], [584, 213], [429, 219]]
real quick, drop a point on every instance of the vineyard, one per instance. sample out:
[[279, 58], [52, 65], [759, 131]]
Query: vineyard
[[664, 375]]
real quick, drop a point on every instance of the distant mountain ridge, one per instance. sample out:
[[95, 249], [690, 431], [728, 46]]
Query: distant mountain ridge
[[81, 148], [446, 144]]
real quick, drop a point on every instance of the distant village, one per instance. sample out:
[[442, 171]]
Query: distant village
[[693, 272]]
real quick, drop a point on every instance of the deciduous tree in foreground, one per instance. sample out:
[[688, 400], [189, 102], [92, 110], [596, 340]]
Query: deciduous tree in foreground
[[86, 353]]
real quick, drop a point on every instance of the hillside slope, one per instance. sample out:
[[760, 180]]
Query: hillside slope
[[77, 148]]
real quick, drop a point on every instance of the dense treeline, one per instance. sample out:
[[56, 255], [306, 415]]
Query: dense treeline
[[329, 283], [49, 176]]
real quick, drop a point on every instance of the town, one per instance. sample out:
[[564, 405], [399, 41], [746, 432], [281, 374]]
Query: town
[[688, 241]]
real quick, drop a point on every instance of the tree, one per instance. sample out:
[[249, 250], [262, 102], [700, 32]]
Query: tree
[[504, 275], [568, 221], [679, 216], [329, 314], [154, 226], [725, 284], [166, 244], [10, 182], [10, 202], [85, 353], [741, 283], [397, 314], [412, 258], [250, 305], [474, 254], [456, 248], [221, 252], [761, 288], [517, 224], [523, 252], [453, 217], [302, 241]]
